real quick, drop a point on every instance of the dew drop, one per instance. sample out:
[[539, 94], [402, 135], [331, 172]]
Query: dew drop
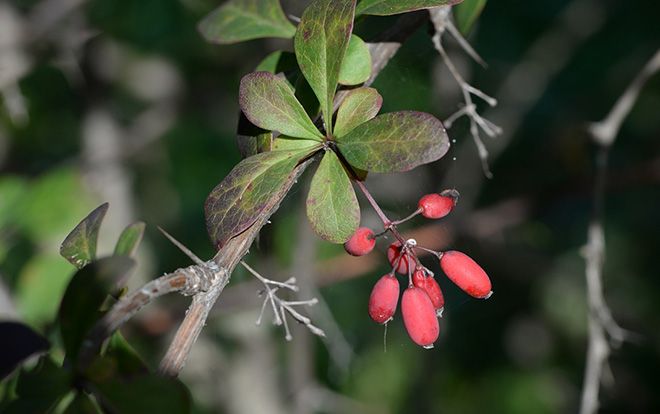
[[428, 346], [454, 159]]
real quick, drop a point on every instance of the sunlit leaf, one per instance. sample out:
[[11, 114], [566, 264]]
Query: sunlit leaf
[[321, 41], [52, 204], [397, 141], [79, 247], [356, 66], [268, 101], [130, 239], [332, 207], [85, 294], [255, 185], [359, 106], [467, 12], [388, 7], [40, 287], [293, 144], [144, 394], [239, 20], [19, 342]]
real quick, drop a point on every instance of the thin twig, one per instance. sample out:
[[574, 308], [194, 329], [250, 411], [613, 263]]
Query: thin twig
[[280, 306], [604, 332], [441, 18]]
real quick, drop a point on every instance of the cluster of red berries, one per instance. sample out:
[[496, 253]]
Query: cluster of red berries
[[422, 301]]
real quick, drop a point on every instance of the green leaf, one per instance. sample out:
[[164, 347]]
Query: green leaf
[[359, 106], [79, 247], [332, 207], [145, 394], [467, 12], [356, 67], [240, 20], [85, 294], [256, 185], [12, 190], [68, 200], [82, 404], [268, 101], [389, 7], [397, 141], [278, 62], [295, 144], [40, 389], [321, 41], [130, 239], [40, 287], [251, 139], [128, 361], [19, 342]]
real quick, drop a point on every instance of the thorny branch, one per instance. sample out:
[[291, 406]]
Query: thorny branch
[[604, 332], [441, 18]]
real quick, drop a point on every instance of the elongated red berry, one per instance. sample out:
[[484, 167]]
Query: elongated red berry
[[361, 242], [435, 206], [431, 287], [393, 252], [419, 317], [384, 298], [466, 274]]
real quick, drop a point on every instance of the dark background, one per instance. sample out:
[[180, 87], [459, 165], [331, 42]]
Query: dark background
[[123, 101]]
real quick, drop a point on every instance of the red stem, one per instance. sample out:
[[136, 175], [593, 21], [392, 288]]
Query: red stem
[[387, 223]]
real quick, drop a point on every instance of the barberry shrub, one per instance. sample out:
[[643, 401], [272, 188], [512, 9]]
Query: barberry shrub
[[310, 107]]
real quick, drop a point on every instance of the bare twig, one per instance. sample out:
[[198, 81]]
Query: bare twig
[[441, 18], [280, 306], [604, 332]]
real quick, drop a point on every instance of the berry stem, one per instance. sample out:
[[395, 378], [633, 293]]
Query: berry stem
[[433, 252], [403, 220], [387, 223]]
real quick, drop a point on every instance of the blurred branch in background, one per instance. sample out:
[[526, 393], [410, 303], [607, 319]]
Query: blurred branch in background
[[604, 332]]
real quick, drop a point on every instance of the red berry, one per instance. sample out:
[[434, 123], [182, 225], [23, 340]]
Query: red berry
[[466, 274], [361, 242], [393, 252], [419, 317], [435, 206], [431, 287], [384, 298]]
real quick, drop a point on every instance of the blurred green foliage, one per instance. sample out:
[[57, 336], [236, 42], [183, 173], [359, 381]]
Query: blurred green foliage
[[520, 352]]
